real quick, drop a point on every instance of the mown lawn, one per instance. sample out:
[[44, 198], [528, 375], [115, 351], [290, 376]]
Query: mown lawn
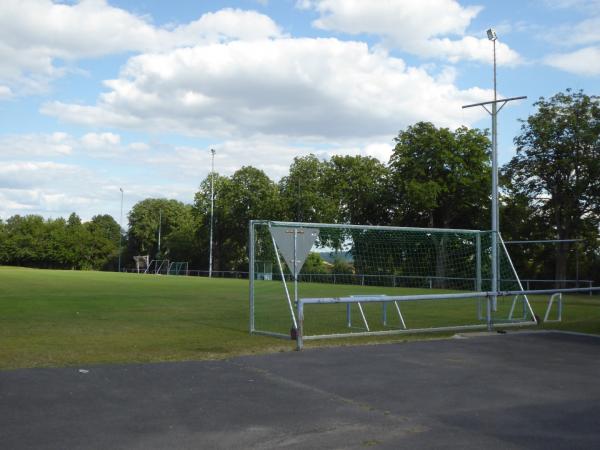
[[58, 318]]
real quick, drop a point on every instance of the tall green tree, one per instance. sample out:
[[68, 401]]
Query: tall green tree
[[557, 168], [104, 241], [441, 178], [149, 216], [360, 187], [304, 191], [248, 194], [202, 217]]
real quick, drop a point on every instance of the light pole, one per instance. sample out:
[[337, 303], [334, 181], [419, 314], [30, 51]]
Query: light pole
[[212, 206], [159, 232], [492, 36], [121, 230]]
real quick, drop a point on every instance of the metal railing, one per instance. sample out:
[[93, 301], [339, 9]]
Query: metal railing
[[414, 281]]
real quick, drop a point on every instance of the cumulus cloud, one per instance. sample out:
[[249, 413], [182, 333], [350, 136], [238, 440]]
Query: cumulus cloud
[[31, 174], [422, 28], [34, 145], [100, 140], [5, 92], [37, 36], [310, 88], [585, 61], [55, 184], [578, 44]]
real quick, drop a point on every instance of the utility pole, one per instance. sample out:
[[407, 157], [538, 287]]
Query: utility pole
[[492, 36], [159, 232], [121, 230], [212, 206]]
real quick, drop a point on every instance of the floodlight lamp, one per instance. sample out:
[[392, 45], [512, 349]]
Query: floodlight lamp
[[491, 33]]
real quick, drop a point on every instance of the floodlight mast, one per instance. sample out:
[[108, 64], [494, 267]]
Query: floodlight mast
[[212, 205], [492, 36], [159, 232]]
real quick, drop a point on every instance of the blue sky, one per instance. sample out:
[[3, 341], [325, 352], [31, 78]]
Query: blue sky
[[99, 95]]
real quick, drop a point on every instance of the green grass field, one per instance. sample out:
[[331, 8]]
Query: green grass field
[[58, 318]]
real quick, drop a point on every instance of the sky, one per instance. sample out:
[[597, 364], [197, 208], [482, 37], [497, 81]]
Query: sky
[[102, 95]]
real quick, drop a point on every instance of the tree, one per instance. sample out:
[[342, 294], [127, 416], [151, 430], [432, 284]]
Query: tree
[[104, 240], [314, 264], [360, 187], [303, 191], [25, 240], [557, 168], [248, 194], [145, 219], [441, 178], [202, 217]]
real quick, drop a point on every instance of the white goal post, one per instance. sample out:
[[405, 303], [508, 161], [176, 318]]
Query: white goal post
[[432, 279]]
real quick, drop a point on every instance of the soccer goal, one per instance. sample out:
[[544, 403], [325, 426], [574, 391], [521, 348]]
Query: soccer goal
[[178, 268], [331, 280]]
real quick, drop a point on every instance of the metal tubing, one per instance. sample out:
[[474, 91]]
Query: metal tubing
[[348, 315], [361, 227], [300, 329], [272, 334], [502, 100], [559, 318], [512, 266], [251, 263], [478, 262], [295, 267], [391, 298], [400, 315], [287, 293], [400, 298], [490, 324], [362, 313], [409, 331], [212, 207]]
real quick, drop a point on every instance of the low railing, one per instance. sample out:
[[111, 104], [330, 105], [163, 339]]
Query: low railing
[[414, 281]]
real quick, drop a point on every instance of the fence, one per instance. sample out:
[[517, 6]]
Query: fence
[[388, 280]]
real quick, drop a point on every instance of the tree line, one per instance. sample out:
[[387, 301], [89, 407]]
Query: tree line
[[435, 177]]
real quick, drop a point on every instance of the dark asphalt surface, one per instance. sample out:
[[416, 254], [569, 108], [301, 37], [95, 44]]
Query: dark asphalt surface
[[519, 390]]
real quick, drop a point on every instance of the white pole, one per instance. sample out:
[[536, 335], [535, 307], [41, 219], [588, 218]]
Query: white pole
[[159, 232], [495, 214], [121, 230], [495, 222], [212, 205]]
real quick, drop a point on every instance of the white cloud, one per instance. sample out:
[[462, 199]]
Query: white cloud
[[37, 36], [35, 145], [139, 146], [30, 174], [584, 5], [309, 88], [100, 140], [585, 61], [421, 28], [583, 33], [55, 189], [380, 150], [5, 92]]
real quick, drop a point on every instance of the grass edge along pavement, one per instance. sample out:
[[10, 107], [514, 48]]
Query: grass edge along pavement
[[54, 318]]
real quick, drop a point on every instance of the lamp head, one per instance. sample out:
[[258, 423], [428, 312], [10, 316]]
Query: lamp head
[[491, 34]]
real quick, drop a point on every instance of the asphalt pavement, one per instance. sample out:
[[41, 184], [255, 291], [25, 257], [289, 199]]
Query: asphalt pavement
[[534, 390]]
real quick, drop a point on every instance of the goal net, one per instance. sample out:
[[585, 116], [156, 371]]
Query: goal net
[[365, 275]]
